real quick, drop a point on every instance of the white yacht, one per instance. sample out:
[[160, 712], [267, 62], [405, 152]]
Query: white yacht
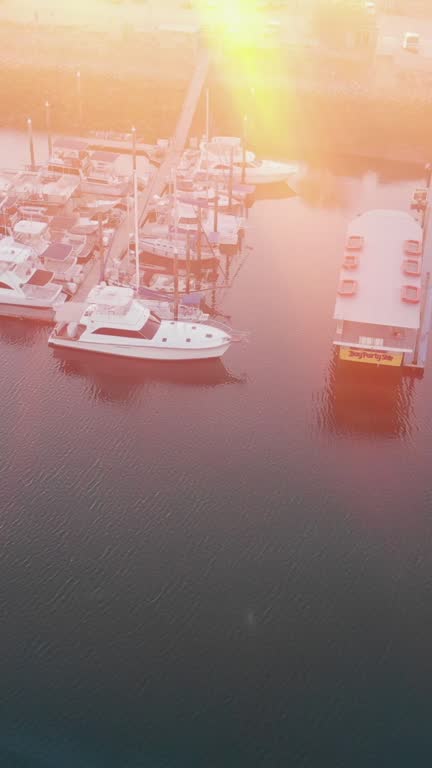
[[217, 154], [25, 290], [118, 324]]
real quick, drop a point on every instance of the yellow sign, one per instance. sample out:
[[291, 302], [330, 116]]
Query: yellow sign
[[371, 356]]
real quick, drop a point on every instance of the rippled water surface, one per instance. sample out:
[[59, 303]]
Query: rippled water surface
[[218, 566]]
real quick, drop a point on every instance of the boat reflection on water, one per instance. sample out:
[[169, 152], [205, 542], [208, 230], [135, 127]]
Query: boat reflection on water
[[119, 379], [365, 400]]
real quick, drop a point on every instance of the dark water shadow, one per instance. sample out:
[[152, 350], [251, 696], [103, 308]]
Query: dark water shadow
[[366, 400], [278, 191], [24, 333], [387, 171], [320, 188], [117, 379]]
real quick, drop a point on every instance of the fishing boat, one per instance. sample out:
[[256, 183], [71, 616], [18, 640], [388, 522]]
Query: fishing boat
[[118, 324]]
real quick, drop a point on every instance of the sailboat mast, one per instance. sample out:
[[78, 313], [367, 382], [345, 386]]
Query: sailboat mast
[[207, 131], [207, 136], [137, 274], [176, 287]]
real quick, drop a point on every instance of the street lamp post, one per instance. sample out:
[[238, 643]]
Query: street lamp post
[[31, 144], [78, 85], [48, 127], [133, 148]]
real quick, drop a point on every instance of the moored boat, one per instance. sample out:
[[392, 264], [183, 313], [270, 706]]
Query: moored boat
[[223, 156], [26, 291], [118, 324]]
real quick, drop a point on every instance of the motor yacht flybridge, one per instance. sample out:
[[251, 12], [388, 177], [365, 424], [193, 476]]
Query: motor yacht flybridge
[[25, 290]]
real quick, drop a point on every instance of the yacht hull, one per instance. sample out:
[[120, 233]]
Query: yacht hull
[[258, 176], [26, 312], [142, 353], [167, 261]]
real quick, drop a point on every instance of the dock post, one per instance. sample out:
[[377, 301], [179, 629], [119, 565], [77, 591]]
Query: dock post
[[31, 144], [133, 148], [78, 86], [227, 268], [101, 249], [48, 127]]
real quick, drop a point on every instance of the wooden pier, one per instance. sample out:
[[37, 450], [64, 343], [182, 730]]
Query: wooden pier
[[117, 251]]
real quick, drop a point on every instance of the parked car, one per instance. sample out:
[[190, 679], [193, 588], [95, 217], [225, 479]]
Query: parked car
[[411, 42]]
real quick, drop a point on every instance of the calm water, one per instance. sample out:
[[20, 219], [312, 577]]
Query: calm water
[[220, 566]]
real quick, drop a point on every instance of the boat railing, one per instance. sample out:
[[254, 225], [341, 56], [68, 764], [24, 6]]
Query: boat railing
[[237, 336]]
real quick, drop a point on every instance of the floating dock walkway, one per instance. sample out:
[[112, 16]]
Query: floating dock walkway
[[118, 249]]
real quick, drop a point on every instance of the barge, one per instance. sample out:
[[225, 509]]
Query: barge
[[378, 304]]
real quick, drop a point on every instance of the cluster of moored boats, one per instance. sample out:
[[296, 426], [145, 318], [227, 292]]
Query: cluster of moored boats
[[54, 218]]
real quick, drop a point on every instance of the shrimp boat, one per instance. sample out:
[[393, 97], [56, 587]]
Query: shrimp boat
[[118, 324]]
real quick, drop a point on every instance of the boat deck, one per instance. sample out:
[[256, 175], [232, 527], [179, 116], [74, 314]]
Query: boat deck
[[379, 276]]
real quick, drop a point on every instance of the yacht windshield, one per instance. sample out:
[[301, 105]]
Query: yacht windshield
[[151, 327]]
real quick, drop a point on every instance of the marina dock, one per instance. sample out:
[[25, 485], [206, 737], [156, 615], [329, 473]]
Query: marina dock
[[117, 252]]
